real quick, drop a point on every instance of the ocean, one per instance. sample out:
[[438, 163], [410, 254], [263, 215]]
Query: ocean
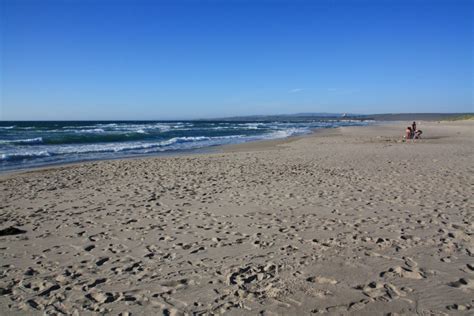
[[41, 143]]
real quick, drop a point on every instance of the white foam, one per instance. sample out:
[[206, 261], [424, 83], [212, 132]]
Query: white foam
[[36, 140], [286, 133], [175, 143], [22, 155], [71, 152], [93, 130]]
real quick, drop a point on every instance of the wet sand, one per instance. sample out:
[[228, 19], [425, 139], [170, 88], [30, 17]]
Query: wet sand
[[344, 221]]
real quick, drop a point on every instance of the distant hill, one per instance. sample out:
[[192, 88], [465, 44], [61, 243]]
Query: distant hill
[[417, 116], [290, 117], [348, 116]]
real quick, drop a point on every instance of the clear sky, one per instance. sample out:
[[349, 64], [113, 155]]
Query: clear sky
[[111, 59]]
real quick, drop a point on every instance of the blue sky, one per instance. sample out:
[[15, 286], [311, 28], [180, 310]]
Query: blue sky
[[109, 59]]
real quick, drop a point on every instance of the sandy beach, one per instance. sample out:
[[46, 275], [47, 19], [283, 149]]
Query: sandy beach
[[344, 221]]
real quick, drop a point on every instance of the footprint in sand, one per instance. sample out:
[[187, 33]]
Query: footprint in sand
[[321, 280], [381, 291], [404, 272], [463, 283], [460, 307], [101, 261], [342, 309], [102, 298], [89, 247]]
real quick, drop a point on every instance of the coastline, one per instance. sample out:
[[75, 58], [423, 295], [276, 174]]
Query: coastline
[[266, 143], [27, 145], [269, 144], [341, 221]]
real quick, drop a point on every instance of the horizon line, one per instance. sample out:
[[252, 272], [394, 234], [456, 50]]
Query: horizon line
[[292, 115]]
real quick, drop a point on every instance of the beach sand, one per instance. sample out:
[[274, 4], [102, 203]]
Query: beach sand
[[344, 221]]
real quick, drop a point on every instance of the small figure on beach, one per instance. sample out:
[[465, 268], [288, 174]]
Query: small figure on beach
[[418, 133], [412, 133], [408, 133]]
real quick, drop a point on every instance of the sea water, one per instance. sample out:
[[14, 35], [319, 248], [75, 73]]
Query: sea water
[[33, 144]]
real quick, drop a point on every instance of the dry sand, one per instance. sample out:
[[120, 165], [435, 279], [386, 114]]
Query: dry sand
[[345, 221]]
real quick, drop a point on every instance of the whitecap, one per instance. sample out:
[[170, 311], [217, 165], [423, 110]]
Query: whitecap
[[37, 140]]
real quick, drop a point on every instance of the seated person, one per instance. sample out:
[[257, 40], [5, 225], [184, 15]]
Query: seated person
[[418, 133], [408, 133]]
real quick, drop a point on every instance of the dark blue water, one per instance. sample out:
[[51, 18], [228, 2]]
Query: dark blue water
[[32, 144]]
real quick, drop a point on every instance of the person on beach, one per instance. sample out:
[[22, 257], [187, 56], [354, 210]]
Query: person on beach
[[418, 133], [408, 133], [412, 133]]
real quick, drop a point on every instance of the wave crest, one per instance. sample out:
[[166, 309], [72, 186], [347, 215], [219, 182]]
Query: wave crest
[[37, 140]]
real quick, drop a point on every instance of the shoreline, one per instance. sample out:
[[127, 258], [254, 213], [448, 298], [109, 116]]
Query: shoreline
[[240, 147], [265, 143], [347, 221]]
